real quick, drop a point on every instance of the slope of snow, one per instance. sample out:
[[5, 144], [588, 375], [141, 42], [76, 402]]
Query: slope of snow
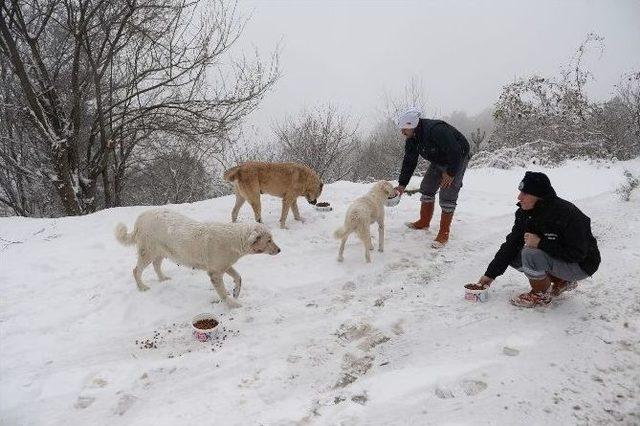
[[316, 341]]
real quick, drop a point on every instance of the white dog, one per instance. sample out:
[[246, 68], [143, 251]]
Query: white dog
[[361, 214], [209, 246]]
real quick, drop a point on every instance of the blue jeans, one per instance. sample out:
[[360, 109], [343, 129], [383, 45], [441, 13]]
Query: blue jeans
[[536, 264]]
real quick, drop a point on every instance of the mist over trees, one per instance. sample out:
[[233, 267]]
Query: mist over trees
[[117, 103]]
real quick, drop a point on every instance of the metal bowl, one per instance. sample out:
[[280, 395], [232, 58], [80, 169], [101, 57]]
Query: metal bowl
[[393, 201]]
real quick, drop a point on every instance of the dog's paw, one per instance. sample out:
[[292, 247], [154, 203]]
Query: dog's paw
[[381, 250], [340, 259], [232, 303], [300, 219], [236, 292], [143, 287], [165, 278]]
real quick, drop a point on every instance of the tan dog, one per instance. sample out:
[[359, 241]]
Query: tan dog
[[208, 246], [361, 214], [285, 180]]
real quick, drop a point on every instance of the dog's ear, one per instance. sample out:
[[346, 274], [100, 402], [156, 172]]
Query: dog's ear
[[254, 235]]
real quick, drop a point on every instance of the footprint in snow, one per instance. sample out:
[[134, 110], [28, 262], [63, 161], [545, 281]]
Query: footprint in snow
[[466, 387], [88, 394]]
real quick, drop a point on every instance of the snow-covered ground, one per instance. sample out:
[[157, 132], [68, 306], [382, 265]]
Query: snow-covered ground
[[317, 341]]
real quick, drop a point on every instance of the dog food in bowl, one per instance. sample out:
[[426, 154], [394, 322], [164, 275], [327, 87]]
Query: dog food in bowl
[[205, 326], [324, 207], [393, 201], [476, 293]]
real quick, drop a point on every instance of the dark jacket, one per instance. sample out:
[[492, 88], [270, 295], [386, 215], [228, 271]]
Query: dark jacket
[[564, 231], [437, 142]]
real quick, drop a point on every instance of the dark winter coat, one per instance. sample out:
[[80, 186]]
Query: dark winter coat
[[564, 231], [436, 141]]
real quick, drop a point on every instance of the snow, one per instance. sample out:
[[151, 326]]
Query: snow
[[316, 341]]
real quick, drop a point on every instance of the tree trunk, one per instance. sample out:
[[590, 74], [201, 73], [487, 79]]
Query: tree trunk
[[64, 182]]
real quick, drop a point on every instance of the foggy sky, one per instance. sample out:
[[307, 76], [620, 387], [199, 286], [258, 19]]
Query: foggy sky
[[353, 53]]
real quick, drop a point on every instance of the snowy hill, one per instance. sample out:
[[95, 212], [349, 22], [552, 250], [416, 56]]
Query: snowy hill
[[316, 341]]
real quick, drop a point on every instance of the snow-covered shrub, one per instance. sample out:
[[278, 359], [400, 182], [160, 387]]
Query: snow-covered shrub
[[558, 110], [626, 188], [538, 152]]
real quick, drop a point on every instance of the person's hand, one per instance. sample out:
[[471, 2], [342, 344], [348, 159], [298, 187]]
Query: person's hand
[[399, 189], [531, 240], [446, 181], [485, 281]]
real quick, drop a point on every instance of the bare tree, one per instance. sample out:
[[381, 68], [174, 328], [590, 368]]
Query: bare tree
[[101, 80], [628, 95], [322, 139], [381, 153], [413, 95], [172, 177]]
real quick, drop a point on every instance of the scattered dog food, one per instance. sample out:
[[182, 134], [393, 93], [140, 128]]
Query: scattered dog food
[[175, 340]]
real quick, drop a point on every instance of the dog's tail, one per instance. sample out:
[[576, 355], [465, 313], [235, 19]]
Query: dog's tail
[[123, 237], [230, 175], [340, 233], [349, 225]]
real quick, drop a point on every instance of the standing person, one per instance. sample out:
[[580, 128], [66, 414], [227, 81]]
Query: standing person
[[447, 150], [551, 243]]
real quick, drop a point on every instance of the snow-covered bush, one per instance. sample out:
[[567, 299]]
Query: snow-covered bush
[[626, 188]]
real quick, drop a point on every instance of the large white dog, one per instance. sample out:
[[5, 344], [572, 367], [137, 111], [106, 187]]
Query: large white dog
[[209, 246], [361, 214]]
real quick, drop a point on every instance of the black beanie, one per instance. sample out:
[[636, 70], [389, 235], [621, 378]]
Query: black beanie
[[537, 184]]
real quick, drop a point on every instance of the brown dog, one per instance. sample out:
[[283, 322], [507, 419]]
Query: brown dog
[[285, 180]]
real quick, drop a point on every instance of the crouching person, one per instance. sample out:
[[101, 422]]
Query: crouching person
[[551, 243]]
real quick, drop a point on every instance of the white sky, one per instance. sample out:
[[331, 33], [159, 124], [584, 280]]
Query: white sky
[[352, 53]]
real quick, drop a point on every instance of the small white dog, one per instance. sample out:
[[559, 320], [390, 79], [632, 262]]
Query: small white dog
[[361, 214], [208, 246]]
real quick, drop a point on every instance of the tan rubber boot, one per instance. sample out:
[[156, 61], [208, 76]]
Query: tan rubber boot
[[426, 212], [443, 233]]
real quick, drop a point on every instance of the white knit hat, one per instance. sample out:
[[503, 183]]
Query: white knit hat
[[408, 119]]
